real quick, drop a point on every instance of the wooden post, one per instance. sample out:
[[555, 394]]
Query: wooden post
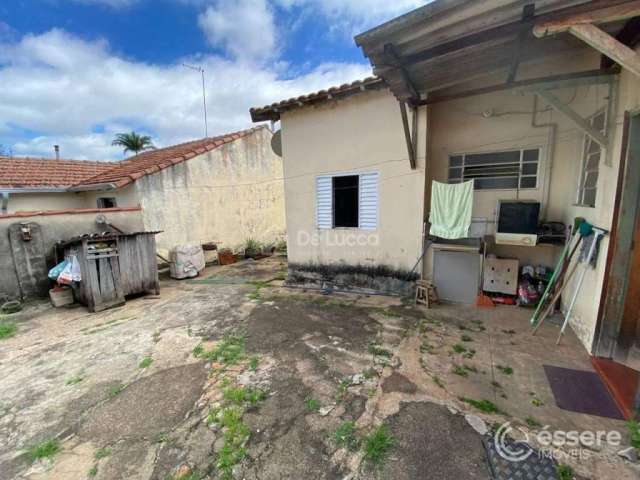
[[407, 134]]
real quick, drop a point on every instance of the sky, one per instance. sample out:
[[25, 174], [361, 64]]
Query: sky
[[76, 72]]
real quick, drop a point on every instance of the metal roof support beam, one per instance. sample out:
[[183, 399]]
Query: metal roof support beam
[[580, 122], [528, 12], [396, 62], [407, 133]]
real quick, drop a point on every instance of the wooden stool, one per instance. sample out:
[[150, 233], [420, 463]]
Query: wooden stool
[[426, 293]]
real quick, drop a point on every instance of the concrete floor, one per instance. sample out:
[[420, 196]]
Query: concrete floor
[[76, 377]]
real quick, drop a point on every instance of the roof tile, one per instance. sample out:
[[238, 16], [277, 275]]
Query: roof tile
[[38, 173]]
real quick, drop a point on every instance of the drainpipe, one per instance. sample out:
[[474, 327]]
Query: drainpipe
[[4, 202], [551, 142]]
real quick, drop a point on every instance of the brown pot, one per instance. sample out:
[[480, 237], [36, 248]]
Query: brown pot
[[226, 258]]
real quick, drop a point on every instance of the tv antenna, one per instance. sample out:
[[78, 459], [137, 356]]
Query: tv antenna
[[204, 96]]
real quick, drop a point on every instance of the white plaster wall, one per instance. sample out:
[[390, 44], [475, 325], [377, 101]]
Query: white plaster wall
[[125, 197], [355, 135], [30, 202], [227, 195]]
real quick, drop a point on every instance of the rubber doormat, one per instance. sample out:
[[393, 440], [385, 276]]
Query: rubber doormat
[[533, 467], [581, 391]]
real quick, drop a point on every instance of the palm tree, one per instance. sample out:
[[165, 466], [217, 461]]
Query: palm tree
[[132, 142]]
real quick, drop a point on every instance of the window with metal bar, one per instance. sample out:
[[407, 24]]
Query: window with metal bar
[[511, 169], [591, 154]]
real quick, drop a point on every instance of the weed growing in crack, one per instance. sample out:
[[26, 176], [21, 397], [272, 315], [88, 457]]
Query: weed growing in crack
[[564, 472], [46, 449], [377, 444], [93, 471], [505, 370], [115, 390], [459, 370], [437, 381], [536, 402], [466, 338], [242, 395], [102, 453], [311, 404], [379, 351], [253, 363], [145, 362], [426, 348], [634, 431], [485, 406], [343, 389], [469, 354], [74, 380], [457, 348], [532, 422], [229, 350], [346, 436]]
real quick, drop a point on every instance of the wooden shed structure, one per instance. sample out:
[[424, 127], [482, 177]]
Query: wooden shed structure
[[112, 266]]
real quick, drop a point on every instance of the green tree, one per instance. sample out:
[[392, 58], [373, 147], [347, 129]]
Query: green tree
[[132, 142]]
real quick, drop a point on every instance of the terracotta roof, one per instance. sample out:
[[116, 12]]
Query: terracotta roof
[[272, 112], [152, 161], [46, 173]]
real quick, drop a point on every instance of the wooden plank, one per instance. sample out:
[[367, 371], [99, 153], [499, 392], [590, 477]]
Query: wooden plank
[[602, 15], [556, 103], [609, 46], [629, 36], [396, 62], [414, 133], [589, 77], [407, 134]]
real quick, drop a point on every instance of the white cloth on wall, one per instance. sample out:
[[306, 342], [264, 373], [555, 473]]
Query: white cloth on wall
[[451, 209]]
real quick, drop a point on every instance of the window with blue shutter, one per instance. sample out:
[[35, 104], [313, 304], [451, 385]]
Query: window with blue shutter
[[347, 201]]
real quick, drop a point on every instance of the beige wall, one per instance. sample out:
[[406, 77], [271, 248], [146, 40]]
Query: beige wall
[[356, 135], [125, 197], [33, 202], [227, 195]]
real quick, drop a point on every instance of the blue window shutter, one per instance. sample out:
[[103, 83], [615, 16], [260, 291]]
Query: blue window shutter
[[324, 202], [368, 201]]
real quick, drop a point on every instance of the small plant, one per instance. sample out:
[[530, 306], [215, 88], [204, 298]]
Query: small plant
[[346, 436], [343, 388], [469, 354], [73, 380], [241, 395], [485, 406], [466, 338], [536, 402], [532, 422], [634, 431], [426, 348], [437, 381], [115, 390], [252, 247], [229, 350], [496, 384], [470, 368], [93, 471], [146, 362], [236, 434], [311, 404], [102, 453], [7, 330], [46, 449], [565, 472], [377, 444], [459, 370], [505, 370], [457, 348], [253, 363], [379, 351]]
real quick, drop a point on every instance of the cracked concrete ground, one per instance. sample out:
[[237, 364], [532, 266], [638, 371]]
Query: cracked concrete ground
[[77, 377]]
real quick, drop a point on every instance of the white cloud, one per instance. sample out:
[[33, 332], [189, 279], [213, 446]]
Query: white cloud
[[109, 3], [244, 28], [65, 89]]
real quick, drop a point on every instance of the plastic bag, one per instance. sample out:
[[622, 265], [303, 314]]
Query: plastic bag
[[54, 273], [71, 272], [527, 292]]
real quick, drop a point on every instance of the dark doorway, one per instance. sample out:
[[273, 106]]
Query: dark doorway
[[345, 201]]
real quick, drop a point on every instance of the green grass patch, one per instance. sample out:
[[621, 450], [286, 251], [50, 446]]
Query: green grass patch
[[634, 432], [505, 370], [236, 435], [346, 436], [470, 368], [377, 444], [426, 348], [146, 362], [46, 449], [536, 402], [242, 395], [230, 350], [565, 472], [93, 471], [7, 330], [311, 404], [457, 348], [379, 351], [485, 406]]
